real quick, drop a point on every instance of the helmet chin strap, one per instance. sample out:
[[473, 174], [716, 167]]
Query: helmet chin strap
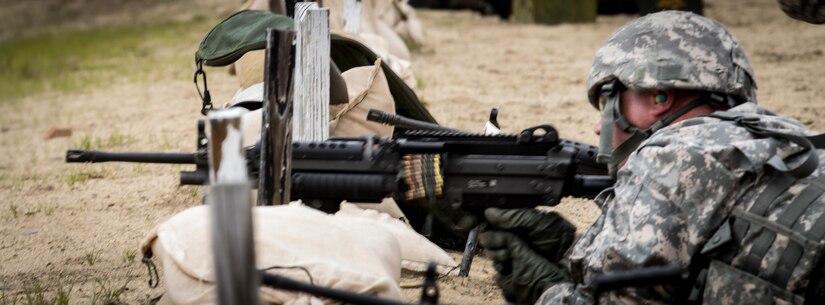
[[612, 114]]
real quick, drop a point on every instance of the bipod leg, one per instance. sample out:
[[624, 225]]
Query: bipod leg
[[469, 252]]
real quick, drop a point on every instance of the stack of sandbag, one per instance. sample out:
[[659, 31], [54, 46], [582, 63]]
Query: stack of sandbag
[[387, 27], [355, 250]]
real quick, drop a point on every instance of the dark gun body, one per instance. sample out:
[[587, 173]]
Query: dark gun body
[[478, 171]]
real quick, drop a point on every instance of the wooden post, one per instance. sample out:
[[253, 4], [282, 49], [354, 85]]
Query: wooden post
[[352, 16], [311, 117], [236, 277], [221, 124], [277, 7], [554, 11], [276, 130]]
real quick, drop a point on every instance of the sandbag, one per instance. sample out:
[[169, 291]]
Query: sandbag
[[352, 254], [249, 69], [416, 250], [371, 23], [368, 89], [356, 250]]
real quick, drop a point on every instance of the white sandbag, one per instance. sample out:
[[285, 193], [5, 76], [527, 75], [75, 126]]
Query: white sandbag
[[416, 250], [351, 254]]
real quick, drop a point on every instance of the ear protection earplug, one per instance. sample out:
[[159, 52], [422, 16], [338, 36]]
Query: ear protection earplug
[[661, 97]]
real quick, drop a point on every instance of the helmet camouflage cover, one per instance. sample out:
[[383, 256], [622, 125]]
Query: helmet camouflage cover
[[673, 50]]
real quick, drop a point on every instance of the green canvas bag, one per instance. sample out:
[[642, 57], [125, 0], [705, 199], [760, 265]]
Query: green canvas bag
[[242, 32]]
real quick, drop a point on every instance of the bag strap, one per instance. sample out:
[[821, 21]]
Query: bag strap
[[809, 143]]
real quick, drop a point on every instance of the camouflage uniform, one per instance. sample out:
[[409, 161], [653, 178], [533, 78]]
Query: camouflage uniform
[[670, 197], [812, 11]]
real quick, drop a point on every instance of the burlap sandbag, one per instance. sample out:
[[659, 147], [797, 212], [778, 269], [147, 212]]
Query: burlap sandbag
[[348, 253], [250, 72], [416, 250], [371, 23], [368, 89]]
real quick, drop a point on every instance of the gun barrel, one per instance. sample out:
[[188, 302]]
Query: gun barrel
[[93, 156], [403, 122]]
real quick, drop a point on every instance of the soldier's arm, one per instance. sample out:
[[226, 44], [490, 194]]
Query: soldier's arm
[[668, 201]]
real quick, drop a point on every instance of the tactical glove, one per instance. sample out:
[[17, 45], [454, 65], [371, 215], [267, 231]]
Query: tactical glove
[[547, 233], [523, 275]]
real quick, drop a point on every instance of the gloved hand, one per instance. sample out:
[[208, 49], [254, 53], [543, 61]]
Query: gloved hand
[[523, 275], [548, 234]]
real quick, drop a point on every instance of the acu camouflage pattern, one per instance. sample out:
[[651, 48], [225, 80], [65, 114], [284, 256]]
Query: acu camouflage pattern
[[673, 50], [674, 193], [812, 11]]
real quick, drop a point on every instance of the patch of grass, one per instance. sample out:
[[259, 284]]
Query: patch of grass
[[35, 295], [81, 176], [15, 211], [114, 140], [419, 83], [106, 295], [62, 295], [8, 299], [129, 256], [193, 191], [74, 60], [92, 257], [85, 142], [165, 144], [48, 209]]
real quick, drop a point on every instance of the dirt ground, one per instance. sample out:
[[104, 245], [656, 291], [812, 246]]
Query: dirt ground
[[78, 226]]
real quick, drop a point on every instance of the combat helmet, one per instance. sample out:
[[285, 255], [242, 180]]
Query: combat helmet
[[666, 50]]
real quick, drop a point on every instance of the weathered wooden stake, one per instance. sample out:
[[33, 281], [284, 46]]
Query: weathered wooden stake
[[220, 123], [276, 130], [277, 7], [311, 117], [352, 16], [236, 277]]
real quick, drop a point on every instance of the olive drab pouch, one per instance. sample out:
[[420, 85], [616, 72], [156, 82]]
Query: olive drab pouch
[[769, 250], [234, 36]]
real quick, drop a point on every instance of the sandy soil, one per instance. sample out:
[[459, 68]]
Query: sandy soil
[[82, 235]]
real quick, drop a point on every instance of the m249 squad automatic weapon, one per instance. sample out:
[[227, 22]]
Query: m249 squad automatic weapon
[[466, 171]]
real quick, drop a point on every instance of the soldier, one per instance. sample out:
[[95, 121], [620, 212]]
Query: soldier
[[705, 179]]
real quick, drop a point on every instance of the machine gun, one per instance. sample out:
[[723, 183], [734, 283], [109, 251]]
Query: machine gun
[[453, 171], [468, 171]]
